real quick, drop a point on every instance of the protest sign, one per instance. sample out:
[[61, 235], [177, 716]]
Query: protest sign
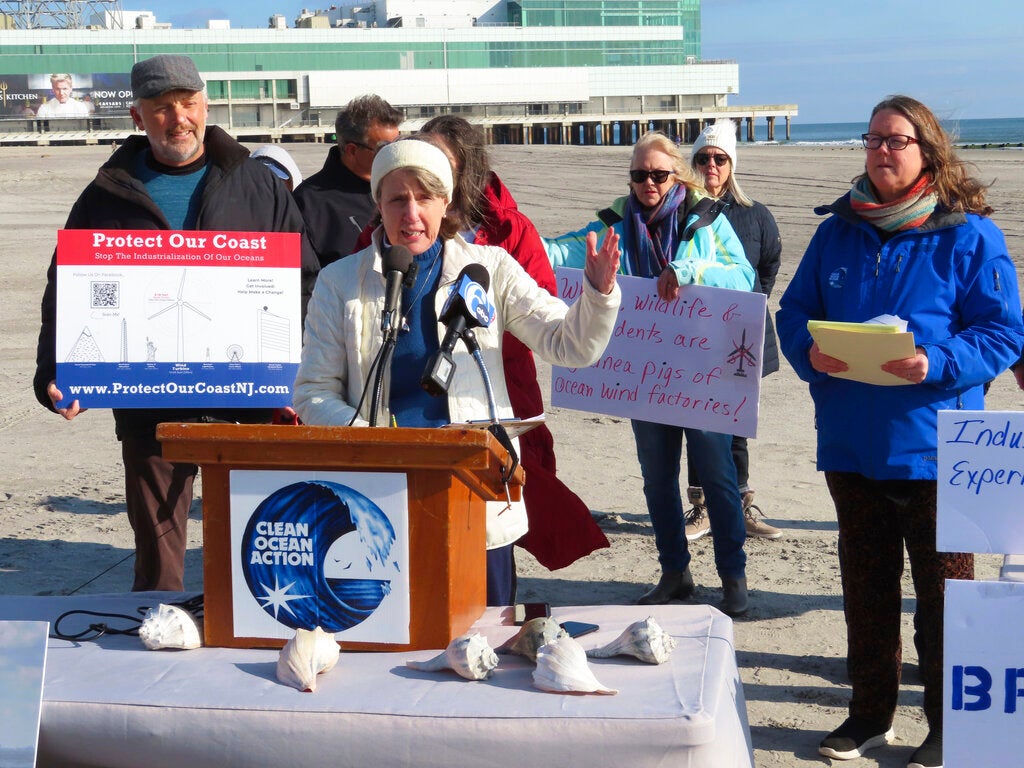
[[980, 481], [692, 362], [163, 319], [983, 674]]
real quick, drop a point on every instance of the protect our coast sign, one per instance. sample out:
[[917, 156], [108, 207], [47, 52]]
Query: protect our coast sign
[[320, 549], [164, 318], [980, 481], [692, 362]]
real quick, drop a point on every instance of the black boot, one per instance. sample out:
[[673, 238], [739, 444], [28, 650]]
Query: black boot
[[734, 596], [673, 585]]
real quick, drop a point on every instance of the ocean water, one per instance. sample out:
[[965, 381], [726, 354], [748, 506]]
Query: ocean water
[[1009, 130]]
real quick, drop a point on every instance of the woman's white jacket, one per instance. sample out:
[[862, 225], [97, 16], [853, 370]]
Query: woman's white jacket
[[343, 334]]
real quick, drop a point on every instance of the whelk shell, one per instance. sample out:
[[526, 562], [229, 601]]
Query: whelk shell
[[470, 655], [645, 640], [168, 626], [309, 653], [562, 668], [531, 636]]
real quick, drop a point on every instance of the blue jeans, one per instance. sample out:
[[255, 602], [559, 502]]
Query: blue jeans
[[659, 449]]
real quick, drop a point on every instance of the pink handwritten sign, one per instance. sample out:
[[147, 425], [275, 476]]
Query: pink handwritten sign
[[692, 362]]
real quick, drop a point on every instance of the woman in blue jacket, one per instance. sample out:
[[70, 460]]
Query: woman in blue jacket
[[910, 239], [670, 230]]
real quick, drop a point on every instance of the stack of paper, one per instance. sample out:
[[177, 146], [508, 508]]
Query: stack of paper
[[864, 347]]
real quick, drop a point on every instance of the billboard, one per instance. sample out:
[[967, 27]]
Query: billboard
[[62, 95]]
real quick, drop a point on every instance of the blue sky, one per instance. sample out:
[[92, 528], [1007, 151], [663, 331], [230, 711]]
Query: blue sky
[[834, 59]]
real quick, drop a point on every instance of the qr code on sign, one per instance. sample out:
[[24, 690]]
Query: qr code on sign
[[106, 295]]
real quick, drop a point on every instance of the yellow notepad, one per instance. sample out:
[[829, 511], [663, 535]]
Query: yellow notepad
[[864, 347]]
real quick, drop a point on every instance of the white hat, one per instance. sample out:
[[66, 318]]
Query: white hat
[[721, 135], [411, 153], [280, 162]]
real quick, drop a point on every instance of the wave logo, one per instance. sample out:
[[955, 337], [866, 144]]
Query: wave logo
[[318, 553]]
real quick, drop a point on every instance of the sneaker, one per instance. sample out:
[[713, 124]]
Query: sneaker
[[752, 515], [853, 738], [697, 521], [929, 754]]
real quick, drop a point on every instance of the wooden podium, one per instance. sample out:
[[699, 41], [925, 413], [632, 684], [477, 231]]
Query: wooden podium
[[450, 474]]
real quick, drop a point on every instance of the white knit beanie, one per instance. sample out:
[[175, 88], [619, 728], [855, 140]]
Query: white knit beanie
[[411, 153], [721, 135]]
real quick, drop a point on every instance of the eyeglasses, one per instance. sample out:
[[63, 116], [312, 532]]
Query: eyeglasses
[[896, 142], [720, 160], [375, 150], [658, 177]]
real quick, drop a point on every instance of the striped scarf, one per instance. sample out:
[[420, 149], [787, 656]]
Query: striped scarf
[[910, 211], [652, 233]]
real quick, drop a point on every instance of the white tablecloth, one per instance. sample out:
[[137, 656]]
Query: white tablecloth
[[110, 702]]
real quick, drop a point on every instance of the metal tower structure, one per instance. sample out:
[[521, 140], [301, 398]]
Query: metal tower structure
[[61, 14]]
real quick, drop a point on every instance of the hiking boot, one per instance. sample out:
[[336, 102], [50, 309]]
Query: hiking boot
[[673, 585], [752, 515], [853, 738], [696, 517], [734, 596], [929, 754]]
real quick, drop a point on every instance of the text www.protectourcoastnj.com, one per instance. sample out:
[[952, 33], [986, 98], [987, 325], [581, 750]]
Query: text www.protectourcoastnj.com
[[246, 388]]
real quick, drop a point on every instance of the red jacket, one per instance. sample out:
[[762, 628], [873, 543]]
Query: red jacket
[[562, 529]]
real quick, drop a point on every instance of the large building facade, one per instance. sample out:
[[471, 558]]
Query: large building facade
[[552, 71]]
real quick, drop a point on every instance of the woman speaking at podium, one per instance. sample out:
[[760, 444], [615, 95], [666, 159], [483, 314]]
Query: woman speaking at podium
[[350, 316]]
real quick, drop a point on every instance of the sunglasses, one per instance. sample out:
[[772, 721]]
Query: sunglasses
[[720, 160], [658, 177]]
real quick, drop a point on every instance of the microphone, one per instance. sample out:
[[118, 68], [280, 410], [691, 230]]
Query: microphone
[[397, 264], [397, 260], [467, 307]]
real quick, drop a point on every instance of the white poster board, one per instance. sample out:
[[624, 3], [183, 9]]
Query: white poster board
[[327, 549], [172, 319], [983, 674], [980, 482], [692, 362], [22, 664]]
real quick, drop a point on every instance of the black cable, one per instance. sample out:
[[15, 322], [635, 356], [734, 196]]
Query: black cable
[[95, 630]]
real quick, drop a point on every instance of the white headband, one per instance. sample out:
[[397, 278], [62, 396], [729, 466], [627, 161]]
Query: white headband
[[411, 153]]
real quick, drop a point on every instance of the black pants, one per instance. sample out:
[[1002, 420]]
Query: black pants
[[877, 518], [158, 495]]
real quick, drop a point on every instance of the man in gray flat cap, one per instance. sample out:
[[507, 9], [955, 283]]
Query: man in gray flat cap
[[181, 175]]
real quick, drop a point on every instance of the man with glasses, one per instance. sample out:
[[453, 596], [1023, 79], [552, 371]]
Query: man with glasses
[[336, 201]]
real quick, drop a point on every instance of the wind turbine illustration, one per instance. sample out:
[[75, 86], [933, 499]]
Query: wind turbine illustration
[[742, 352], [181, 305]]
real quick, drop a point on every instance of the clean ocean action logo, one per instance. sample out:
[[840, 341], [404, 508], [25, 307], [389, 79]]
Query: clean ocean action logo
[[318, 553]]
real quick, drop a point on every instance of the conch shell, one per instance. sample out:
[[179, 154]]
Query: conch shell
[[531, 636], [562, 668], [309, 653], [470, 655], [645, 640], [168, 626]]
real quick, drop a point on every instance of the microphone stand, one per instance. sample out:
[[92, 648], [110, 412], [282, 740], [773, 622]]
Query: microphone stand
[[389, 325], [496, 428]]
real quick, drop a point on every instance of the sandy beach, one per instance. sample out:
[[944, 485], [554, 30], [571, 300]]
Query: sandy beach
[[63, 529]]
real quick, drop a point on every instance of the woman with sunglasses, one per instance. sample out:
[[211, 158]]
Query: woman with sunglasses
[[912, 238], [665, 204], [714, 159]]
